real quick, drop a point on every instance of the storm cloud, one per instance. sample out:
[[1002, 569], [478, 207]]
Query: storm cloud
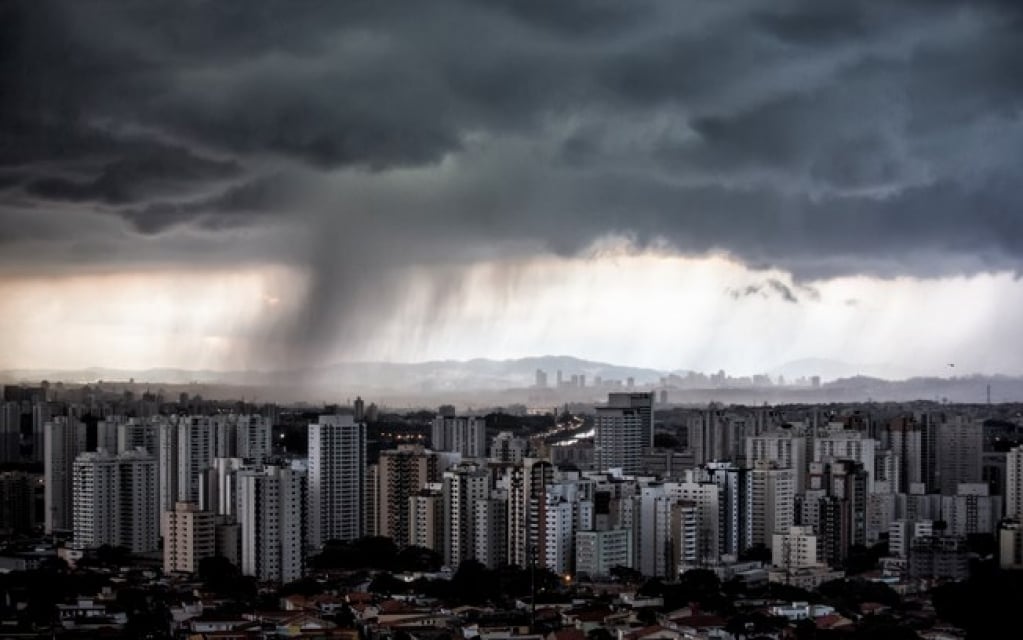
[[353, 140]]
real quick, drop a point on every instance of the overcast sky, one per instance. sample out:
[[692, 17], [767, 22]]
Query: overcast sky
[[672, 184]]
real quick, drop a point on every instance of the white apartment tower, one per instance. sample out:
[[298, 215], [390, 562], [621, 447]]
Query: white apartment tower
[[337, 479], [772, 501], [624, 426], [794, 549], [597, 552], [845, 444], [702, 520], [463, 486], [271, 518], [785, 449], [63, 441], [115, 501], [652, 531]]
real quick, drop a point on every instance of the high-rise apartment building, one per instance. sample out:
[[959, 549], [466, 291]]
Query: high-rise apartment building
[[115, 501], [190, 536], [526, 486], [795, 548], [21, 495], [845, 444], [63, 441], [467, 436], [652, 530], [401, 474], [786, 449], [905, 439], [196, 440], [136, 433], [337, 479], [624, 427], [272, 516], [959, 453], [703, 518], [1014, 483], [836, 505], [597, 552], [463, 486], [971, 510], [772, 501], [901, 534], [505, 447], [252, 437], [490, 530], [426, 519], [10, 431], [167, 468]]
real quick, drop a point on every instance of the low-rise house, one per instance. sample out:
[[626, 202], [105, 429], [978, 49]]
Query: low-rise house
[[800, 611]]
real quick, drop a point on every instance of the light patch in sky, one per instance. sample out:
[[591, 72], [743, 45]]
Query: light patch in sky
[[174, 318], [613, 304]]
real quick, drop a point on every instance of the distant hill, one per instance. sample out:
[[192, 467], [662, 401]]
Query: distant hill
[[479, 373], [512, 381]]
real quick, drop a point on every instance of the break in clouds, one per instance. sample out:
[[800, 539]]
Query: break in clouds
[[356, 141]]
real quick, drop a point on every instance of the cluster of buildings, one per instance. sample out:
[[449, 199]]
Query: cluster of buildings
[[745, 483]]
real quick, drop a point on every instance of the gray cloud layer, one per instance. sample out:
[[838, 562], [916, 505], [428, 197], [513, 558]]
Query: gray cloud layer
[[346, 138]]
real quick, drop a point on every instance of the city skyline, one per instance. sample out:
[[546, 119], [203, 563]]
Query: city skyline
[[658, 184]]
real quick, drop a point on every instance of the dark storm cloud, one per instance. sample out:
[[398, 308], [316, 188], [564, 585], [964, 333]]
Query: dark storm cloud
[[824, 139], [135, 176], [774, 287]]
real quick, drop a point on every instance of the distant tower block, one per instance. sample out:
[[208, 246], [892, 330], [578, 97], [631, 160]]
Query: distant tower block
[[359, 409]]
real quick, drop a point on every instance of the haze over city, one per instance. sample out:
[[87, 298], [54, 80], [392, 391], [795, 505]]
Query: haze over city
[[670, 185]]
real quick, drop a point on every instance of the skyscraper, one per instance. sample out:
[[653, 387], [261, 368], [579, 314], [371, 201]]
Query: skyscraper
[[337, 478], [401, 474], [20, 494], [196, 439], [116, 501], [624, 426], [959, 453], [772, 501], [252, 438], [190, 537], [786, 449], [271, 517], [467, 436], [426, 520], [1014, 483], [63, 441], [463, 486]]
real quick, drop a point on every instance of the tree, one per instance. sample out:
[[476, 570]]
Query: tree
[[418, 559], [472, 583], [627, 575], [666, 441], [756, 553], [386, 584]]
